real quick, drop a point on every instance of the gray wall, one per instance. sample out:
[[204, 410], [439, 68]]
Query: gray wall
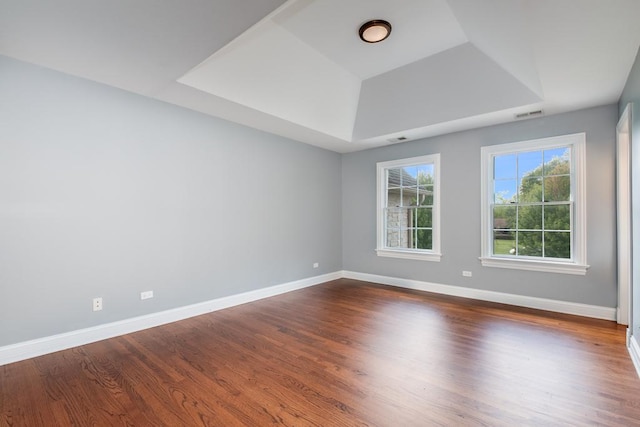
[[106, 193], [631, 94], [460, 210]]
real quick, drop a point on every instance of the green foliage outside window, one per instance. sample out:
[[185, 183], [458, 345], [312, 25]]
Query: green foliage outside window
[[411, 189], [536, 220], [424, 216]]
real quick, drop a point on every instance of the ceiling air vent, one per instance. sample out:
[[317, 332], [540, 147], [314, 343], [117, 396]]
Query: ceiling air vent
[[529, 114], [398, 139]]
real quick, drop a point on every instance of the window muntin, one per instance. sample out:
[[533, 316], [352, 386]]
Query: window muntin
[[408, 208], [534, 205]]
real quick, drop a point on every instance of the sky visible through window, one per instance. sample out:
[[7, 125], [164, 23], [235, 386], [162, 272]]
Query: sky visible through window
[[414, 171], [509, 170]]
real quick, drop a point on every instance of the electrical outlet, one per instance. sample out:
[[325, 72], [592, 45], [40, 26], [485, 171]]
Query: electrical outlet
[[146, 295], [467, 273], [97, 304], [316, 265]]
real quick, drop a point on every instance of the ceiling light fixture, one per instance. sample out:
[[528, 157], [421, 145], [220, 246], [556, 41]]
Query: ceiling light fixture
[[375, 31]]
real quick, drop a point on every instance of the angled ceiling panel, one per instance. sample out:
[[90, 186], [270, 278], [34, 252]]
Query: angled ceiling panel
[[133, 45], [460, 82], [501, 30], [448, 64], [274, 72]]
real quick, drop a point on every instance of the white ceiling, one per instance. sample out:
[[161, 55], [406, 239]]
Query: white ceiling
[[297, 68]]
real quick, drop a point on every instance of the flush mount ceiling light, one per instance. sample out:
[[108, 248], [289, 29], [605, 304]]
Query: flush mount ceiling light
[[375, 31]]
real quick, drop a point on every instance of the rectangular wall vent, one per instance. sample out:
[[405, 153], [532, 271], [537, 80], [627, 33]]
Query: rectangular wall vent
[[529, 114], [398, 139]]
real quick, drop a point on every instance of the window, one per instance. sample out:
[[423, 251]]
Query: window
[[533, 205], [409, 208]]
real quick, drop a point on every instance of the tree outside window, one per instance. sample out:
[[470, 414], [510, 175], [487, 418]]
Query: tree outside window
[[535, 219], [533, 209], [408, 208]]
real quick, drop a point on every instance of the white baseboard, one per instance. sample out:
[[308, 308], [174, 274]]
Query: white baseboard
[[38, 347], [28, 349], [607, 313], [634, 351]]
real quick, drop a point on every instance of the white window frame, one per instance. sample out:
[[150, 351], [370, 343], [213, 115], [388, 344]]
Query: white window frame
[[578, 264], [415, 254]]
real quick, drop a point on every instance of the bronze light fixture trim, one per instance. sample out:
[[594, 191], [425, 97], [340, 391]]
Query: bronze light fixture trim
[[374, 31]]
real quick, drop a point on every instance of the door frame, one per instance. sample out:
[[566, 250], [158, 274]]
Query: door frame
[[624, 224]]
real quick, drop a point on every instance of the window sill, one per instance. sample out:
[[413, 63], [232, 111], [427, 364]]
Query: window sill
[[534, 265], [421, 256]]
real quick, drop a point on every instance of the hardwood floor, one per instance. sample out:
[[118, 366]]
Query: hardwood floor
[[345, 353]]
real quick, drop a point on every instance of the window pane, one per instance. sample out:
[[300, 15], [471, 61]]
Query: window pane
[[557, 188], [530, 190], [530, 164], [557, 244], [393, 237], [530, 243], [426, 195], [424, 239], [393, 178], [424, 217], [412, 217], [393, 197], [557, 161], [504, 217], [396, 217], [399, 237], [504, 242], [505, 191], [530, 218], [406, 237], [406, 228], [504, 167], [557, 217], [425, 174], [409, 176], [410, 196], [398, 222]]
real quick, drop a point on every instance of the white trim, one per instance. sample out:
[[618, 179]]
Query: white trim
[[28, 349], [579, 166], [408, 254], [535, 265], [578, 265], [594, 311], [381, 202], [634, 351], [623, 188]]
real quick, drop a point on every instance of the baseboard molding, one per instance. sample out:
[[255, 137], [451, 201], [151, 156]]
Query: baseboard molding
[[607, 313], [634, 351], [38, 347]]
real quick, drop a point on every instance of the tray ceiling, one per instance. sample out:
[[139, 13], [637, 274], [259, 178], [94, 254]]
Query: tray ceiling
[[298, 69]]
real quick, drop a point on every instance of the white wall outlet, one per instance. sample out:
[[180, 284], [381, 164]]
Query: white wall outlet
[[316, 265], [97, 304], [466, 273], [146, 295]]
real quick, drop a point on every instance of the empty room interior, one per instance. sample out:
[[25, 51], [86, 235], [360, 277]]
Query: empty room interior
[[320, 213]]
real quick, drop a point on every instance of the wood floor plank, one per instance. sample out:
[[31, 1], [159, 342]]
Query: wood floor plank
[[345, 353]]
